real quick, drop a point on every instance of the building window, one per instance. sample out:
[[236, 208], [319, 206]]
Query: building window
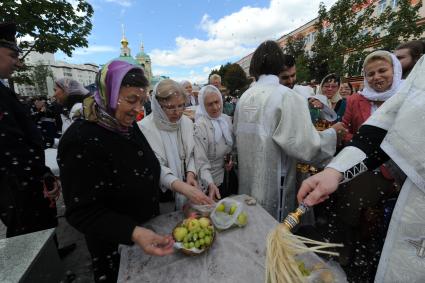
[[381, 6]]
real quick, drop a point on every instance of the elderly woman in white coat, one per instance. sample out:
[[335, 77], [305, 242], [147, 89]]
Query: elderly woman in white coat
[[170, 134], [213, 139]]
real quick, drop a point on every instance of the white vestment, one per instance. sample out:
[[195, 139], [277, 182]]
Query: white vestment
[[273, 129], [403, 116]]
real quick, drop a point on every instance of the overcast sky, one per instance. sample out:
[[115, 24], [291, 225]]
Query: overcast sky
[[186, 39]]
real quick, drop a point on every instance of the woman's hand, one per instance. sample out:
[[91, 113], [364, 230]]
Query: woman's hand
[[194, 194], [191, 179], [339, 127], [317, 188], [152, 243], [213, 192], [341, 130], [228, 165], [52, 187]]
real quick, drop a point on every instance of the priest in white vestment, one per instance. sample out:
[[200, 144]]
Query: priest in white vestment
[[273, 129], [397, 131]]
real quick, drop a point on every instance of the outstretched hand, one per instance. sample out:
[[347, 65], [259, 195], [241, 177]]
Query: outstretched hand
[[213, 192], [152, 243], [317, 188]]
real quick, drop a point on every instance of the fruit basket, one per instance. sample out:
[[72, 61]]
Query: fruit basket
[[194, 236]]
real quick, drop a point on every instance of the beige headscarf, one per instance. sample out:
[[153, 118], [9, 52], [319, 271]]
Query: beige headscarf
[[337, 97]]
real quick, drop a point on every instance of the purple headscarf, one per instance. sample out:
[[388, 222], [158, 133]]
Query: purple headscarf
[[109, 84], [100, 107]]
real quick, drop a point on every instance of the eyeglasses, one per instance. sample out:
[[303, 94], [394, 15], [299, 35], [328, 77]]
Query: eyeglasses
[[171, 109], [330, 86], [134, 103]]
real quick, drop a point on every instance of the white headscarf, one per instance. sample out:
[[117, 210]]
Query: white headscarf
[[373, 95], [160, 118], [327, 112], [220, 124]]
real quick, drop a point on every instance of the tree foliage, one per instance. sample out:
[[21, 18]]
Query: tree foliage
[[343, 33], [296, 48], [235, 79], [400, 24], [39, 74], [352, 28], [221, 71], [51, 25]]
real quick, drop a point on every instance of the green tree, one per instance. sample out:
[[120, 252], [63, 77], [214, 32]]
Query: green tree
[[295, 46], [221, 71], [400, 24], [52, 24], [343, 33], [39, 74], [235, 79]]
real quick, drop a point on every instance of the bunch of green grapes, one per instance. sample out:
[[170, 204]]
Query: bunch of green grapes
[[199, 238]]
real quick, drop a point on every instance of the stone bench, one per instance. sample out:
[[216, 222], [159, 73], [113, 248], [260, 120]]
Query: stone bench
[[30, 258]]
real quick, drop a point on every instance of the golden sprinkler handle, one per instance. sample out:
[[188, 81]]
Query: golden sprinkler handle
[[293, 218]]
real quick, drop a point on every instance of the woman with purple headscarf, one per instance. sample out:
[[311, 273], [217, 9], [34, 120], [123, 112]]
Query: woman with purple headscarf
[[109, 173]]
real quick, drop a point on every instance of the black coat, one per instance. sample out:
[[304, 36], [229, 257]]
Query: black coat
[[23, 208], [110, 182]]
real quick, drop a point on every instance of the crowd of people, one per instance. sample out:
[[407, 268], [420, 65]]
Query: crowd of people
[[116, 165]]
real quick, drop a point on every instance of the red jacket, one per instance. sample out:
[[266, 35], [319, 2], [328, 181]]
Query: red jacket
[[358, 110]]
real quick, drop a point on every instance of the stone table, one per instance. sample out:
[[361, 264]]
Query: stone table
[[237, 255], [31, 257]]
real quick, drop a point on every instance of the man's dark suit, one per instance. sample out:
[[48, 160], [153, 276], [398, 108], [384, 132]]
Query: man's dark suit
[[23, 208]]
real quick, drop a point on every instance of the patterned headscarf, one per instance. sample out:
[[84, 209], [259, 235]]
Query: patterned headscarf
[[100, 107]]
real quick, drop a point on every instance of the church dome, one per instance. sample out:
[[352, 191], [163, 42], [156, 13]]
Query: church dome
[[142, 53], [128, 59]]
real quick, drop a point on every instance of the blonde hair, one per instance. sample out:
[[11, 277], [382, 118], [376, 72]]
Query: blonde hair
[[215, 76], [166, 88], [378, 55]]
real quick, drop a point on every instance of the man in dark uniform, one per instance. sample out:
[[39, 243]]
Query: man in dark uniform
[[25, 206]]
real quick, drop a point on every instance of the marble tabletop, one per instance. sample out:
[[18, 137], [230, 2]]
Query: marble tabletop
[[237, 255], [17, 254]]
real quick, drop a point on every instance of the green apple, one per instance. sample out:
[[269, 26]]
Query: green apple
[[220, 208], [191, 245], [186, 245], [205, 222], [233, 209], [193, 224], [242, 219], [180, 233], [201, 234]]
